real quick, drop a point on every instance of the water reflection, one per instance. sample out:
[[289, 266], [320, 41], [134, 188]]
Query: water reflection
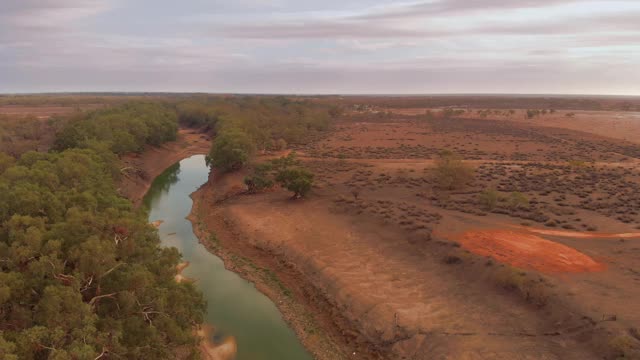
[[235, 307]]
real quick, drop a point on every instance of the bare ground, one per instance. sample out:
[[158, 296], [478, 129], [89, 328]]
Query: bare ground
[[401, 273]]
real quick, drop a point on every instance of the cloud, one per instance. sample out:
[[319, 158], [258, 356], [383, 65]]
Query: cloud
[[417, 21], [42, 14], [454, 7], [322, 29], [328, 46]]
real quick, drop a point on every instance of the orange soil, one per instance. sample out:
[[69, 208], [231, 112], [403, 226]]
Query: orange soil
[[528, 251]]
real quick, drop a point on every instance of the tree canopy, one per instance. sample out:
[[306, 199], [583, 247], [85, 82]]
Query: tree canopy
[[231, 150], [81, 271], [246, 124], [126, 128]]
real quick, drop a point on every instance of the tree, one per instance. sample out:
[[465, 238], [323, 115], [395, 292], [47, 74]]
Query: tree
[[260, 179], [450, 172], [231, 150], [81, 271], [296, 180]]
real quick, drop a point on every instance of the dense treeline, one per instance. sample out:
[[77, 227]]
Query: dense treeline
[[125, 128], [82, 272], [246, 124], [78, 100], [265, 119]]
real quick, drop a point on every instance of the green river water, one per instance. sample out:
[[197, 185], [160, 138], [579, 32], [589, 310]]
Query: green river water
[[235, 306]]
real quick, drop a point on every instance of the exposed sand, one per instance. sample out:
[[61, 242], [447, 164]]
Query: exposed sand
[[226, 350], [156, 224], [179, 277]]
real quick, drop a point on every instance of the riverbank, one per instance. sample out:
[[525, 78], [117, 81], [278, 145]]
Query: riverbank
[[141, 169], [317, 323], [380, 290]]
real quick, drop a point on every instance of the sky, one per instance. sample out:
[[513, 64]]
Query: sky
[[328, 46]]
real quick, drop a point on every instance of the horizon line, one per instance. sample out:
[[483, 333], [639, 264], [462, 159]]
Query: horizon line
[[310, 94]]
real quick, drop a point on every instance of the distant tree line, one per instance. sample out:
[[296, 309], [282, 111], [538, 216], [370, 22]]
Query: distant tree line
[[125, 128], [246, 125]]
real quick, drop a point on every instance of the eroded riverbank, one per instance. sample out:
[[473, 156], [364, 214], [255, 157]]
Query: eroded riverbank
[[140, 170], [319, 325], [240, 316]]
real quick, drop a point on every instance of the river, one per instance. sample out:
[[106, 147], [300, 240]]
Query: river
[[235, 307]]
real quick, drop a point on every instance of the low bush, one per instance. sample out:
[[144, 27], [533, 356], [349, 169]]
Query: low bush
[[488, 199], [531, 290], [451, 172]]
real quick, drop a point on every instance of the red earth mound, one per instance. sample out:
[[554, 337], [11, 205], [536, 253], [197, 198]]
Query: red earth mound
[[528, 251]]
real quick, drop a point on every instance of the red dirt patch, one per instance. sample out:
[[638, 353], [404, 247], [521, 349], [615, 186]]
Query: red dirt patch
[[528, 251]]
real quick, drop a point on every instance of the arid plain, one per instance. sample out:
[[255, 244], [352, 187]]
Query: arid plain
[[535, 256]]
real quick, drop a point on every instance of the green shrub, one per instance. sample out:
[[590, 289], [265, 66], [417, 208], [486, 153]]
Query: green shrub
[[488, 199], [450, 172]]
